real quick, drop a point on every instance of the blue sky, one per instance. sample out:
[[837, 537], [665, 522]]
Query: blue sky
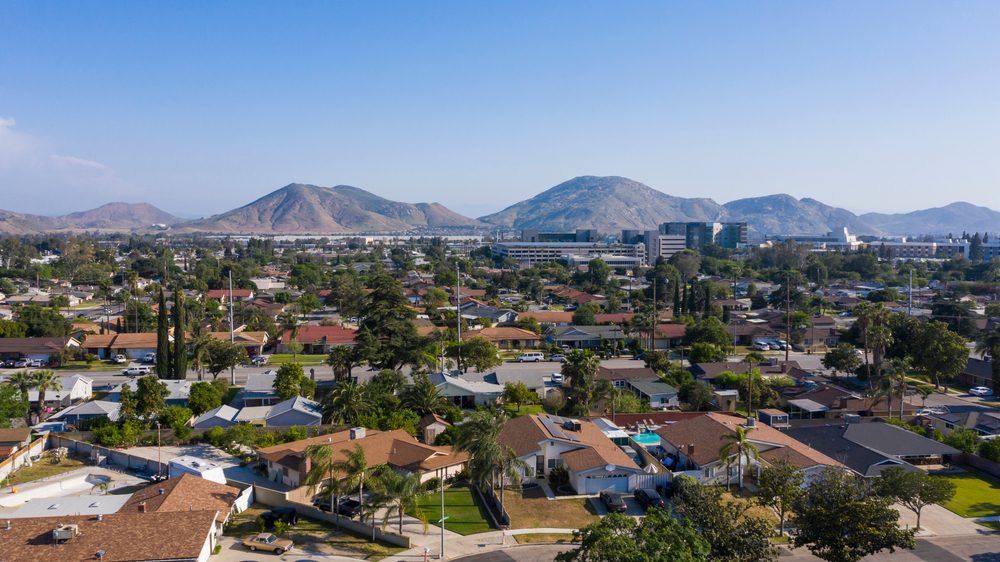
[[200, 107]]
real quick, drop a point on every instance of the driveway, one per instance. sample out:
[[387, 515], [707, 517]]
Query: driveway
[[233, 551], [936, 521]]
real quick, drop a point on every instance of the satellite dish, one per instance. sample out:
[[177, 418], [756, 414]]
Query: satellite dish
[[609, 467]]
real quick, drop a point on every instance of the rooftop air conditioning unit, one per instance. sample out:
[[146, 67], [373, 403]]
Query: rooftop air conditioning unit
[[64, 533], [357, 433]]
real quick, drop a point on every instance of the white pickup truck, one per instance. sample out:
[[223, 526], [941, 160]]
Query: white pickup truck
[[136, 371]]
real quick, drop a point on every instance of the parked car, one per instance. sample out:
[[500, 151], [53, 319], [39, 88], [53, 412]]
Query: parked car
[[268, 542], [349, 507], [648, 497], [558, 357], [614, 502], [531, 357], [761, 346], [8, 363], [259, 360], [120, 359], [286, 514], [136, 371], [980, 391], [149, 358], [556, 377]]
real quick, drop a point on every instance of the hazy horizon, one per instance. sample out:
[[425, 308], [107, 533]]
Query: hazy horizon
[[201, 108]]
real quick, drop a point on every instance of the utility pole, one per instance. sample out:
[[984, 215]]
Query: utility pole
[[458, 316], [656, 316], [232, 335], [443, 518], [788, 316]]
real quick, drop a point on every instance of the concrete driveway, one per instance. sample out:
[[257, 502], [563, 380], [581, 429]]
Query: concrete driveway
[[233, 551], [936, 521]]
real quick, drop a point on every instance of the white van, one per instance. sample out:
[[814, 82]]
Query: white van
[[531, 357]]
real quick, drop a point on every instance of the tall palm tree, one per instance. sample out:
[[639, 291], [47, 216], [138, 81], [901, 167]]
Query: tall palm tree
[[321, 476], [342, 360], [423, 397], [988, 345], [199, 352], [23, 381], [357, 471], [737, 444], [491, 463], [399, 494], [43, 382], [345, 403]]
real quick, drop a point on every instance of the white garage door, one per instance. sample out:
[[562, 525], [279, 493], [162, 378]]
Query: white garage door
[[598, 485]]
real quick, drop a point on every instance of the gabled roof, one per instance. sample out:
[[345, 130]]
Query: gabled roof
[[652, 387], [455, 386], [177, 389], [90, 408], [310, 334], [830, 440], [593, 449], [297, 404], [501, 333], [223, 412], [626, 373], [706, 433], [36, 346], [184, 493], [15, 434]]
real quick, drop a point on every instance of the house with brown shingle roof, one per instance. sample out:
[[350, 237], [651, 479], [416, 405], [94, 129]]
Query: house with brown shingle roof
[[287, 463], [545, 442], [506, 337], [693, 445], [184, 493]]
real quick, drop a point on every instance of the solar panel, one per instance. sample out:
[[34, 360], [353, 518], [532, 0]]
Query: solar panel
[[555, 427]]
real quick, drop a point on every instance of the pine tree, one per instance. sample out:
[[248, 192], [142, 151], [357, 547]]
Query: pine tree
[[162, 340], [180, 346]]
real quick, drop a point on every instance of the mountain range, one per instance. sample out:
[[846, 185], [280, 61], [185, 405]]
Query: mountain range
[[608, 204]]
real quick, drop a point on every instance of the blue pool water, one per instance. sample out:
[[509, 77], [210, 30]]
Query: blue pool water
[[647, 439]]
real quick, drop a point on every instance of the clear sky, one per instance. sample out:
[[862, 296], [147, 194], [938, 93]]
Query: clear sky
[[198, 107]]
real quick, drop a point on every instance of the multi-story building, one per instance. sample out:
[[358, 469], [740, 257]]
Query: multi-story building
[[581, 235], [699, 234], [657, 245], [905, 249], [830, 241], [531, 253]]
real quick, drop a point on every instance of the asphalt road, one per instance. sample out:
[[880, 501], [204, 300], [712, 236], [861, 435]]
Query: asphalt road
[[526, 553], [977, 548]]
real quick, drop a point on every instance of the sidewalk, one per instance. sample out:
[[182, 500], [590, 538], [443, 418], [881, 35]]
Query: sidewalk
[[471, 544]]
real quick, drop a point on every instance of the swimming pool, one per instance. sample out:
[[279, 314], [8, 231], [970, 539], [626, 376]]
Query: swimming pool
[[647, 439]]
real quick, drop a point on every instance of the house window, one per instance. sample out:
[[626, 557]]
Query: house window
[[555, 463], [619, 384]]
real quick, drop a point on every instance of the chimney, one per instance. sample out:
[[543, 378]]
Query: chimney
[[7, 526], [142, 507], [100, 517], [690, 449], [162, 491]]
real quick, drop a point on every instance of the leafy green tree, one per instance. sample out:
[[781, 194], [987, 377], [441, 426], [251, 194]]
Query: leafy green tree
[[128, 405], [618, 538], [423, 397], [342, 360], [585, 314], [702, 352], [288, 380], [12, 329], [41, 321], [709, 330], [518, 393], [176, 418], [223, 355], [840, 521], [990, 449], [204, 397], [150, 396], [914, 489], [623, 401], [843, 359], [477, 352], [963, 439], [387, 338], [780, 486], [12, 404], [346, 403], [732, 534], [22, 381], [696, 396]]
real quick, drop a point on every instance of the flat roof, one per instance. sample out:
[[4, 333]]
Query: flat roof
[[808, 405]]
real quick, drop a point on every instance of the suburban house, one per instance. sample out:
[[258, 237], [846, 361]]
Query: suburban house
[[692, 447], [466, 394], [294, 411], [430, 426], [644, 383], [222, 416], [473, 309], [183, 493], [977, 372], [253, 342], [81, 413], [506, 337], [668, 336], [288, 465], [124, 536], [178, 391], [133, 346], [74, 388], [39, 349], [318, 339], [871, 447], [708, 372], [594, 462], [258, 391], [822, 400], [585, 337], [13, 440], [983, 420], [548, 317], [222, 295]]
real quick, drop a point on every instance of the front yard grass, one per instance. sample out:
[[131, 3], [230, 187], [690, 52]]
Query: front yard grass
[[465, 515], [526, 409], [976, 494], [317, 535], [302, 359], [530, 538], [531, 509], [43, 468]]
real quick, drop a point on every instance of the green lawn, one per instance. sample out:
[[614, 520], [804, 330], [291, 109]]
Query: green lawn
[[977, 494], [302, 359], [525, 410], [465, 515]]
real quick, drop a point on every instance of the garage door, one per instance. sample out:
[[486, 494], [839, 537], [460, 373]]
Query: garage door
[[598, 485]]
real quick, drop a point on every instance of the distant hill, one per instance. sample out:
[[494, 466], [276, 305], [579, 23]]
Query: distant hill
[[784, 214], [606, 203], [306, 209], [108, 217], [954, 219], [612, 203]]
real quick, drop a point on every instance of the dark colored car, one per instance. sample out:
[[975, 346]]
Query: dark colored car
[[614, 502], [347, 506], [286, 514], [648, 498]]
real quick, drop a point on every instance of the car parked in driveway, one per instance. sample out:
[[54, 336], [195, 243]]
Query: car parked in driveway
[[648, 497], [268, 542], [286, 514], [136, 371], [346, 506], [980, 391], [614, 502]]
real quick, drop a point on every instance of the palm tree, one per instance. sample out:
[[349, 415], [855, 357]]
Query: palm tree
[[751, 359], [23, 381], [399, 494], [989, 346], [320, 476], [345, 403], [199, 352], [491, 463], [737, 444], [342, 360], [355, 467], [44, 381], [423, 397], [101, 487]]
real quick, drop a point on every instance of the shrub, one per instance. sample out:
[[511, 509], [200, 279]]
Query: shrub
[[558, 476]]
